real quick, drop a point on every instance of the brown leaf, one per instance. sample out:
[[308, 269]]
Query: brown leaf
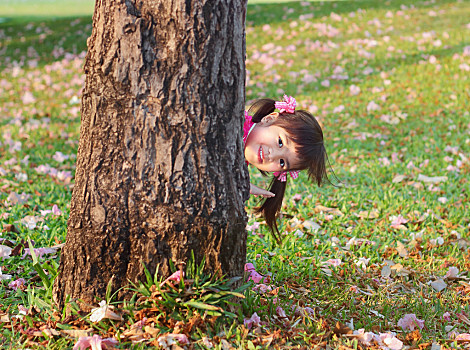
[[10, 228], [16, 251], [402, 250], [334, 211], [4, 318], [152, 331], [77, 333], [50, 332], [341, 329], [413, 336], [365, 214]]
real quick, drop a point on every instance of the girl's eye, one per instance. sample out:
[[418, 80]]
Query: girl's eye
[[280, 142], [282, 163]]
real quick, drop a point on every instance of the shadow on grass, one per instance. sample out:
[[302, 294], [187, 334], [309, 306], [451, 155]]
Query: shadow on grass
[[271, 13], [42, 39], [45, 39]]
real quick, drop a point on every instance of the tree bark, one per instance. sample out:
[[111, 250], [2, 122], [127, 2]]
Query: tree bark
[[160, 165]]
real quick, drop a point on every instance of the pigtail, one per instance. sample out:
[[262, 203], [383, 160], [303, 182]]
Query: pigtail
[[272, 206], [261, 108]]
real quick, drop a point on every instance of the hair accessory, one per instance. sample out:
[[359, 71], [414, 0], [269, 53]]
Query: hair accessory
[[282, 175], [288, 105]]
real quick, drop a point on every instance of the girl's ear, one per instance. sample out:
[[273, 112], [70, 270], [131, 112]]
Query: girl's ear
[[269, 119]]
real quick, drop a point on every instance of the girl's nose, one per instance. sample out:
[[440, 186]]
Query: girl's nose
[[275, 154]]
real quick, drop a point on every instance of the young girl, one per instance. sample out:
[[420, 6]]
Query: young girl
[[282, 143]]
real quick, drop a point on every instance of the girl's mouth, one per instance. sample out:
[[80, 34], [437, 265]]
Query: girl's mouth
[[260, 154]]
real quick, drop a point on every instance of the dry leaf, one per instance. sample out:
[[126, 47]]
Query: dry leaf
[[77, 333], [154, 332], [438, 285], [402, 250], [373, 214], [431, 180], [4, 318], [399, 270], [398, 178], [386, 271], [226, 345], [341, 329], [308, 224], [50, 332], [334, 211]]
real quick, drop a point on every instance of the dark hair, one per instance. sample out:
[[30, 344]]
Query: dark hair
[[304, 130]]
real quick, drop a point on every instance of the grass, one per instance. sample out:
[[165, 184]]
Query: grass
[[389, 83]]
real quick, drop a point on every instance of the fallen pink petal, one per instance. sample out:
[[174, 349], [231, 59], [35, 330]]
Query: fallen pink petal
[[410, 322], [254, 276], [254, 320], [176, 277], [95, 342], [453, 272], [332, 262], [167, 341], [20, 282], [463, 337]]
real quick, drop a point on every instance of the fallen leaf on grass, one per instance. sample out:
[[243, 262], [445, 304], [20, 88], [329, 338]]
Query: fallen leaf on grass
[[452, 273], [15, 198], [167, 340], [399, 270], [438, 285], [4, 318], [431, 179], [398, 178], [309, 224], [342, 329], [76, 333], [5, 251], [154, 332], [463, 318], [48, 332], [386, 271], [226, 345], [372, 214], [104, 311], [402, 250], [335, 211]]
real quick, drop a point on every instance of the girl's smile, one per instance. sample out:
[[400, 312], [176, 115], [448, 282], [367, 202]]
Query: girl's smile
[[261, 154]]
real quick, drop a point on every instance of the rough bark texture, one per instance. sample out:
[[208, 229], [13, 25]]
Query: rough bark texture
[[160, 166]]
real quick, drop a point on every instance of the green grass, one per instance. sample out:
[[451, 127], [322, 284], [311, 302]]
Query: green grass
[[405, 56]]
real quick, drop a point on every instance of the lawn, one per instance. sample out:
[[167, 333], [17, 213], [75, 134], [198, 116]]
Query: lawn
[[387, 242]]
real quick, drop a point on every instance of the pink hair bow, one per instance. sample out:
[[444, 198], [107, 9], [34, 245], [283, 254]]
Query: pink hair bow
[[288, 105], [282, 175]]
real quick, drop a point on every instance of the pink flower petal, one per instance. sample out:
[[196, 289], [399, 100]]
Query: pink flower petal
[[409, 321]]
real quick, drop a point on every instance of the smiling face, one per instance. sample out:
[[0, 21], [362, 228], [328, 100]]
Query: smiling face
[[268, 147]]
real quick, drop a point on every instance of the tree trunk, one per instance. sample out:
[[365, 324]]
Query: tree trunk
[[160, 166]]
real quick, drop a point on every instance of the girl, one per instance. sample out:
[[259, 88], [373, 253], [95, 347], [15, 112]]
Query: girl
[[282, 143]]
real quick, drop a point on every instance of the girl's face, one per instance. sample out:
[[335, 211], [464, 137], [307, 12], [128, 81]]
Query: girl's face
[[268, 147]]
